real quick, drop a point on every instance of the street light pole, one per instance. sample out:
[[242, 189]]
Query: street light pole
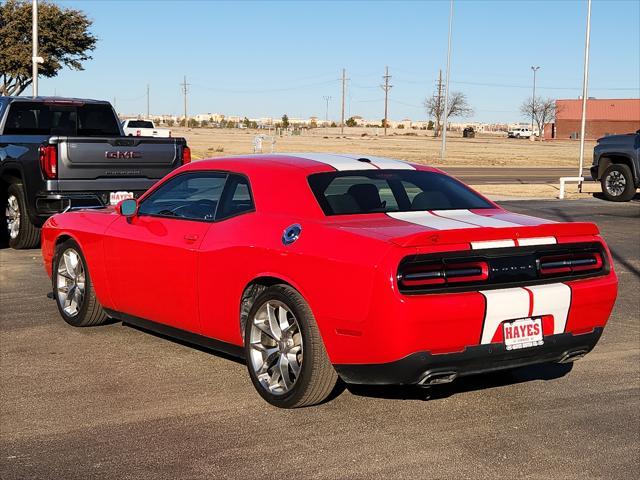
[[34, 49], [533, 99], [585, 84], [446, 87]]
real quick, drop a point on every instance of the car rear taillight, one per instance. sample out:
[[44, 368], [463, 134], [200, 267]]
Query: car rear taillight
[[569, 263], [444, 273], [48, 155], [186, 155]]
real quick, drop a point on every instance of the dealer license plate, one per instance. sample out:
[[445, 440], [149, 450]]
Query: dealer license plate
[[116, 197], [522, 333]]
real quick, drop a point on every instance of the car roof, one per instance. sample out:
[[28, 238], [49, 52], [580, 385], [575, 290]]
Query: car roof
[[311, 162], [55, 99]]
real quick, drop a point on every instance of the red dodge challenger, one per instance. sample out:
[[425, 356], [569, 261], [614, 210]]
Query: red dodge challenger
[[315, 267]]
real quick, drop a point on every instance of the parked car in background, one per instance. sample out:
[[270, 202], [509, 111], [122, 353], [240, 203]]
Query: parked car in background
[[469, 132], [317, 266], [61, 153], [143, 128], [520, 132], [616, 164]]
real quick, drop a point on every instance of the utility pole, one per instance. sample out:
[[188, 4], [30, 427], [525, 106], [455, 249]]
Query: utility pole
[[344, 86], [326, 98], [446, 87], [386, 87], [34, 47], [585, 86], [147, 101], [533, 100], [185, 90]]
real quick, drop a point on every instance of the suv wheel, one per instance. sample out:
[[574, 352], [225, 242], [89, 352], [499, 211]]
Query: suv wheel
[[21, 232], [286, 358], [617, 183]]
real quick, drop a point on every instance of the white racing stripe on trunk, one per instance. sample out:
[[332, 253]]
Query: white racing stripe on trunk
[[552, 299], [492, 244], [524, 242], [430, 220], [339, 162], [503, 304], [480, 220]]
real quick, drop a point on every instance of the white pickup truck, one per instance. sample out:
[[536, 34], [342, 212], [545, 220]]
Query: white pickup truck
[[520, 132], [143, 128]]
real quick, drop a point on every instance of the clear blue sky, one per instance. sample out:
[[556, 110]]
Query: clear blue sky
[[268, 58]]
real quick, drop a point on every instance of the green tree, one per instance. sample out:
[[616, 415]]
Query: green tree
[[430, 125], [333, 124], [64, 41], [193, 123], [400, 125], [285, 121], [247, 122], [351, 122]]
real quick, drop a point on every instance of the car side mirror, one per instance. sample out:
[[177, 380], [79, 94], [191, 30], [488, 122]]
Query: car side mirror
[[127, 207]]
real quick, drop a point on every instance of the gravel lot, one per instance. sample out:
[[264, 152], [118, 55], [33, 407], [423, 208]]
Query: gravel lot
[[117, 402]]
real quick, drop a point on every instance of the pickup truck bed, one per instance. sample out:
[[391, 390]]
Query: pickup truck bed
[[50, 161]]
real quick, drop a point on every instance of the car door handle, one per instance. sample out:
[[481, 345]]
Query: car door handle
[[191, 237]]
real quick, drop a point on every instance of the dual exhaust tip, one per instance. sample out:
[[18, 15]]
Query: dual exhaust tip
[[441, 377]]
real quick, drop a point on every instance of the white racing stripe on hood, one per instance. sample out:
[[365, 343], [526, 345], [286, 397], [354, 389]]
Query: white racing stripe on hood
[[430, 220], [480, 220]]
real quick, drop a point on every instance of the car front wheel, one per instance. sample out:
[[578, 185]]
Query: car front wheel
[[286, 358], [617, 183], [72, 287]]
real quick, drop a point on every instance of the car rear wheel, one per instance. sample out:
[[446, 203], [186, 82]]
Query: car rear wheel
[[72, 287], [617, 183], [19, 229], [286, 358]]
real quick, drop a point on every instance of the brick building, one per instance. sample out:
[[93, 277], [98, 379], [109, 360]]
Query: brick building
[[604, 117]]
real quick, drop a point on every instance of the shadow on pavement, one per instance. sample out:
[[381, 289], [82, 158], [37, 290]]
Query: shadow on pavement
[[550, 371]]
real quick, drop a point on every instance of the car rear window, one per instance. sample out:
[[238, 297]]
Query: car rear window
[[32, 118], [360, 192], [139, 124]]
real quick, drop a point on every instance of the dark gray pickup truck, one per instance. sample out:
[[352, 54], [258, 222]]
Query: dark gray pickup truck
[[616, 164], [60, 153]]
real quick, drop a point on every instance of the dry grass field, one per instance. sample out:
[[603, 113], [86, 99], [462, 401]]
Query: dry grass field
[[490, 151]]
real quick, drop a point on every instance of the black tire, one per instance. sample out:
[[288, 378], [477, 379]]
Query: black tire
[[617, 183], [89, 312], [317, 378], [28, 235]]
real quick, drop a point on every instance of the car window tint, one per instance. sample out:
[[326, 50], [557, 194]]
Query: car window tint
[[348, 193], [192, 196], [140, 124], [237, 198]]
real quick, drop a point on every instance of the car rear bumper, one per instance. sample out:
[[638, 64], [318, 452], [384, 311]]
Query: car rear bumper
[[426, 368]]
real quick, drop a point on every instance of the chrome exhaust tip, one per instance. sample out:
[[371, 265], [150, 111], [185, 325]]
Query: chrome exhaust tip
[[437, 378], [573, 356]]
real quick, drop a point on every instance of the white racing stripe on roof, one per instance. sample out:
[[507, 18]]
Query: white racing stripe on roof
[[339, 162], [387, 163], [469, 216], [430, 220]]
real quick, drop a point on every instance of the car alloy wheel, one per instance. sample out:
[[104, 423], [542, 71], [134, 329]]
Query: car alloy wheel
[[70, 282], [615, 183], [276, 347], [12, 212]]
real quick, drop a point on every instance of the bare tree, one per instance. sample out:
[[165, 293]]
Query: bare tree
[[458, 107], [543, 111]]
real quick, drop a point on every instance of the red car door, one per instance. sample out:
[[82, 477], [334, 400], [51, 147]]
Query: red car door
[[152, 257]]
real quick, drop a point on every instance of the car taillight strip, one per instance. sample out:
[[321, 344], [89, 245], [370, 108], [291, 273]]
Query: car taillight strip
[[501, 267]]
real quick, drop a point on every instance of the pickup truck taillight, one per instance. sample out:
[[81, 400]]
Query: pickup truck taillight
[[48, 155], [186, 155]]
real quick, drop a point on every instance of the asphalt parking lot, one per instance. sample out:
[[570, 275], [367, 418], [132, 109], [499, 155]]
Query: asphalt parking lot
[[117, 402]]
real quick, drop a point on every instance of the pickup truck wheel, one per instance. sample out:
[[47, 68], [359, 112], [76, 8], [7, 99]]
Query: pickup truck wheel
[[21, 232], [617, 183], [72, 287], [286, 358]]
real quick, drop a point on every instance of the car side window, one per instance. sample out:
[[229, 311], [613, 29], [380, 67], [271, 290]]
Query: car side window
[[237, 197], [192, 196]]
